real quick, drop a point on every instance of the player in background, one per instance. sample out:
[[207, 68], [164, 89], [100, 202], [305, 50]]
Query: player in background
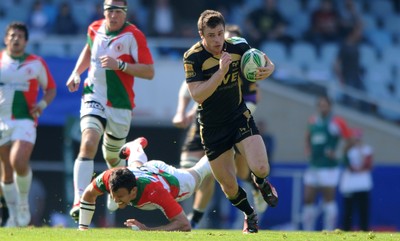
[[192, 149], [146, 185], [22, 76], [212, 70], [356, 182], [116, 52], [3, 207], [323, 135]]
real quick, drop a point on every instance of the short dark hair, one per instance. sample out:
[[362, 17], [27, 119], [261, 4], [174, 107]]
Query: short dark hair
[[20, 26], [122, 178], [234, 29], [210, 18]]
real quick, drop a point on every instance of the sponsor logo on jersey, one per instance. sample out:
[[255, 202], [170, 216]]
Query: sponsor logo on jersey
[[94, 105], [189, 71]]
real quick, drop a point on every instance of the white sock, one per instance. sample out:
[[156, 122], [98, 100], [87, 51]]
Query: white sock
[[83, 172], [137, 154], [203, 168], [309, 217], [10, 195], [23, 184], [330, 215]]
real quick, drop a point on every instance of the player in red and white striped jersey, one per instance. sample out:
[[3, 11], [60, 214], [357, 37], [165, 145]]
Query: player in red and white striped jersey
[[115, 53], [21, 77], [146, 185]]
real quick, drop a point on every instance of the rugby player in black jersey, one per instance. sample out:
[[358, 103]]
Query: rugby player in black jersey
[[212, 71]]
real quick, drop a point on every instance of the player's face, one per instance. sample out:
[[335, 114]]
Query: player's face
[[15, 42], [213, 39], [324, 107], [123, 197], [115, 18]]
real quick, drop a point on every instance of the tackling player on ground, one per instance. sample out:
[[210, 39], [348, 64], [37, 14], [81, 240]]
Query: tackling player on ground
[[146, 185]]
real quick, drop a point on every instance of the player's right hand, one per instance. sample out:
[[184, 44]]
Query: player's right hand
[[225, 61], [73, 82], [134, 222]]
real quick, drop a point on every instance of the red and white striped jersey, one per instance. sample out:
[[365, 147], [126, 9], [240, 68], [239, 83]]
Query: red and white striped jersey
[[114, 88], [20, 79]]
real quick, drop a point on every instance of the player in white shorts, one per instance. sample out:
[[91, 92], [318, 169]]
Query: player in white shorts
[[22, 75], [146, 185], [324, 134], [115, 53]]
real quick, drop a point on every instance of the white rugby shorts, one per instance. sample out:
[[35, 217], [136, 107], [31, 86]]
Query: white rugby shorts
[[118, 120], [12, 130], [322, 177], [187, 182]]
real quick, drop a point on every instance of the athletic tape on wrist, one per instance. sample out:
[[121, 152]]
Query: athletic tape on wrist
[[85, 214], [122, 65], [42, 104]]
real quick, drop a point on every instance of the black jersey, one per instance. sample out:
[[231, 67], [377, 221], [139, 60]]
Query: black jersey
[[248, 87], [226, 103]]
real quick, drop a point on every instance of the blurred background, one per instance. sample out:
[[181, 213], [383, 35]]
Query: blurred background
[[304, 38]]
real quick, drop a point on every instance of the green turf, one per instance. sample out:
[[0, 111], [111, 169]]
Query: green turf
[[98, 234]]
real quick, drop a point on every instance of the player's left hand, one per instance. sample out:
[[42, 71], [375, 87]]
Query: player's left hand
[[134, 222], [108, 63], [37, 109], [267, 70]]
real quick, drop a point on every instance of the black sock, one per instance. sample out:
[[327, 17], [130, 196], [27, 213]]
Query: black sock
[[241, 202], [260, 181], [197, 215], [251, 181], [4, 212]]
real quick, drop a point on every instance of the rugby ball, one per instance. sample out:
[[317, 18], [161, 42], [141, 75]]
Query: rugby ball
[[250, 61]]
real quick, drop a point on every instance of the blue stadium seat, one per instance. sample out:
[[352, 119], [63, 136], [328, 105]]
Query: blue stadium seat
[[303, 53], [370, 22], [328, 53], [288, 8], [298, 24], [275, 51], [391, 24], [368, 55], [381, 8], [379, 38], [391, 55]]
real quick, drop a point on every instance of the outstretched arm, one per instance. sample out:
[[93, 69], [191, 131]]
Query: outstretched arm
[[81, 65], [87, 206], [177, 223]]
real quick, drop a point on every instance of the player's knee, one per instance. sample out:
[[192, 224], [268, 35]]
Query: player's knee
[[110, 148], [261, 170], [91, 122]]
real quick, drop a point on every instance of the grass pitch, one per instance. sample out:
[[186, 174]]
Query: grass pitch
[[120, 234]]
